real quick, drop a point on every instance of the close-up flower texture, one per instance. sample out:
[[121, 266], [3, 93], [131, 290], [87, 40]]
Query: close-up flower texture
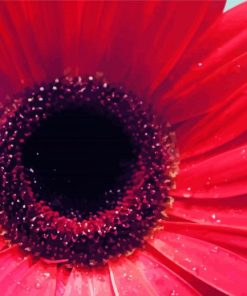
[[123, 148]]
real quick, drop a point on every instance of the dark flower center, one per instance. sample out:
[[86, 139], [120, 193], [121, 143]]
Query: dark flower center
[[79, 154], [86, 170]]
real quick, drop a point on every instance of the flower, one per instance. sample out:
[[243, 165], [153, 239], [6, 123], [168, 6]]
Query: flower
[[189, 61]]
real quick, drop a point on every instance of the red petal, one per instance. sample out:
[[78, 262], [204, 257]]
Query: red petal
[[209, 74], [223, 175], [230, 212], [3, 242], [162, 280], [79, 283], [102, 282], [231, 239], [10, 259], [119, 39], [127, 280], [85, 282], [214, 265], [62, 279], [38, 280], [216, 128], [13, 268]]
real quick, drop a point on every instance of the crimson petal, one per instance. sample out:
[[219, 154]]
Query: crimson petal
[[219, 176], [96, 37], [162, 279], [230, 212], [214, 265]]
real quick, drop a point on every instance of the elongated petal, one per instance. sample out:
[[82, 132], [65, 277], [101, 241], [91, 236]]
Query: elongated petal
[[222, 175], [212, 264], [210, 72], [10, 259], [102, 282], [230, 212], [114, 38], [229, 238], [164, 281], [61, 280], [2, 242], [215, 132], [86, 282], [39, 279], [14, 266], [78, 284], [128, 280]]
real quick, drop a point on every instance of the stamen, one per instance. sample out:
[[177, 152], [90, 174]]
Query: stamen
[[84, 237]]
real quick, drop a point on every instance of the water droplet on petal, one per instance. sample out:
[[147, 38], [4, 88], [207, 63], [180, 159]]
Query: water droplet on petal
[[187, 193], [37, 285], [243, 153], [213, 216], [215, 249], [195, 269]]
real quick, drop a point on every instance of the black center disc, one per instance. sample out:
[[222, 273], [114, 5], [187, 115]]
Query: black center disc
[[85, 171], [78, 155]]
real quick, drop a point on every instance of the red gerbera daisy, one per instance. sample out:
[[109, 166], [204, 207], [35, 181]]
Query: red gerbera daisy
[[165, 96]]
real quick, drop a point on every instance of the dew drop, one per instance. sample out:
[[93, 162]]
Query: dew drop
[[213, 216], [187, 194], [195, 269], [243, 153], [38, 285], [46, 274], [187, 259], [174, 293], [215, 249]]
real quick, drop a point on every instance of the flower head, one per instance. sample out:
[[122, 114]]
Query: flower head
[[123, 148]]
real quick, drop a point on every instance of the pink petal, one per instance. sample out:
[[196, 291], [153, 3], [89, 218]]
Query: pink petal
[[38, 280], [212, 264], [2, 242], [232, 239], [128, 280], [93, 282], [10, 260], [230, 212], [162, 280], [12, 279], [62, 279], [37, 46], [209, 73], [212, 133], [102, 282], [79, 283], [223, 175]]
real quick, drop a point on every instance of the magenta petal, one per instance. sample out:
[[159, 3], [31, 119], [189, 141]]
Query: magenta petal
[[102, 282], [62, 279], [86, 282], [230, 212], [162, 279], [212, 264], [2, 242], [79, 283], [38, 280], [219, 176], [128, 280], [232, 239], [13, 264]]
